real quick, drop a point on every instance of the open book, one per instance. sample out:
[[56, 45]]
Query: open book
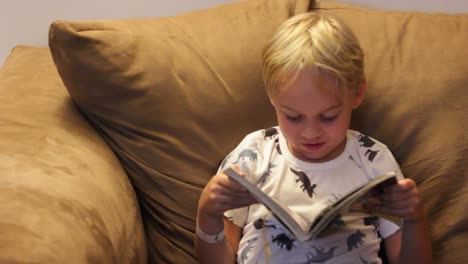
[[298, 226]]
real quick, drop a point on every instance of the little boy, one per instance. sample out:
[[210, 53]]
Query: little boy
[[313, 69]]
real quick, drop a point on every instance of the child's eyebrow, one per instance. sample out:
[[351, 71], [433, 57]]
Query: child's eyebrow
[[333, 107], [286, 107]]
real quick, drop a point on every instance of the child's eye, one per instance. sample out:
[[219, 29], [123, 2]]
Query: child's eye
[[328, 118], [294, 118]]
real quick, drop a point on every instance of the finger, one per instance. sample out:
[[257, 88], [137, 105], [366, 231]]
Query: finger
[[234, 194], [227, 182], [227, 192], [401, 186], [402, 204], [217, 204], [372, 204], [221, 183], [405, 213], [390, 197], [231, 187], [236, 168], [372, 200], [359, 208], [227, 203], [218, 192]]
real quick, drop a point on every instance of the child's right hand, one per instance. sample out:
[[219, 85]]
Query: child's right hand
[[222, 194]]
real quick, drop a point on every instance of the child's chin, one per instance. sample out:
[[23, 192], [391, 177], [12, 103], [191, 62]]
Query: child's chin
[[313, 157]]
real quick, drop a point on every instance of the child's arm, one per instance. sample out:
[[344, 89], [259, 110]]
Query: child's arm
[[412, 244], [222, 252], [392, 247], [219, 195], [233, 235]]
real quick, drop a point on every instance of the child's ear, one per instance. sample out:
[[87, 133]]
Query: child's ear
[[271, 100], [360, 94]]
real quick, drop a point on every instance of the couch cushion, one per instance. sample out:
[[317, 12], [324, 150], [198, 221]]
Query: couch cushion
[[417, 102], [172, 96], [64, 196]]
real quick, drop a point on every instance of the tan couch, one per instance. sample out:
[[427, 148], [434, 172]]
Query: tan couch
[[155, 104]]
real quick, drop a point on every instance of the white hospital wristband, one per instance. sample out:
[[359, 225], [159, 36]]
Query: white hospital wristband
[[210, 238]]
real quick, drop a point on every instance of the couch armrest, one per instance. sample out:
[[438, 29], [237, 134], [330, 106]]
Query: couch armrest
[[64, 195]]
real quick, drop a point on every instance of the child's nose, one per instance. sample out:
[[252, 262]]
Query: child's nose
[[311, 131]]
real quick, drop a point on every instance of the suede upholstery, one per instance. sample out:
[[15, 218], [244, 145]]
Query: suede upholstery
[[417, 104], [172, 96], [64, 196]]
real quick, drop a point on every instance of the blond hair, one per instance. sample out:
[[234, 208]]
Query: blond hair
[[312, 39]]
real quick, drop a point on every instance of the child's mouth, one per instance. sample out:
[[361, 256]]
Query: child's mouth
[[315, 146]]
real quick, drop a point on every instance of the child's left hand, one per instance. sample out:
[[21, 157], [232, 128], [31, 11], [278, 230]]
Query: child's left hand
[[402, 200]]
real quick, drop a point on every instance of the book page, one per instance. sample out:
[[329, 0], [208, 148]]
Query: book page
[[302, 229], [373, 186], [290, 219]]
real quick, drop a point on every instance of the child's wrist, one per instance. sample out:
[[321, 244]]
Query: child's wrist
[[208, 217], [208, 224], [210, 238], [418, 216]]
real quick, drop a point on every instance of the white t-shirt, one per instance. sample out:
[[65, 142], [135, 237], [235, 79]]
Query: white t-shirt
[[265, 158]]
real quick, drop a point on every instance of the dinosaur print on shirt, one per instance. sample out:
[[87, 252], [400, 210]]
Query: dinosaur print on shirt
[[352, 236], [370, 154], [368, 143], [320, 255], [306, 184], [267, 173], [246, 154], [283, 240], [261, 223], [365, 141], [247, 249], [270, 133], [355, 240], [278, 148], [372, 221], [367, 262]]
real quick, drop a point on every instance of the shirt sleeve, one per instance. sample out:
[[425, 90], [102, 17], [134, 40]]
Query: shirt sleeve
[[246, 156], [387, 227], [375, 157], [378, 159]]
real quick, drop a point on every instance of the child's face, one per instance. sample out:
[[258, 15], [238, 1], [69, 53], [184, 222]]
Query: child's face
[[314, 115]]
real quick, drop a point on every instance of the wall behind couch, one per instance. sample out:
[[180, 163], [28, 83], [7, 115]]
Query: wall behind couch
[[26, 22]]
